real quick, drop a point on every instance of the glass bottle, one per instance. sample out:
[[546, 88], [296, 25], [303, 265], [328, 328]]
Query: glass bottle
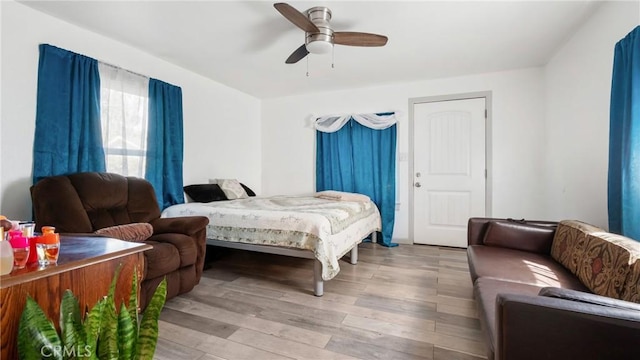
[[48, 230], [6, 254], [48, 246], [20, 245]]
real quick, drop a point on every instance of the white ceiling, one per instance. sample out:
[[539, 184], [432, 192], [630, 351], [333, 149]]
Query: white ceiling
[[243, 44]]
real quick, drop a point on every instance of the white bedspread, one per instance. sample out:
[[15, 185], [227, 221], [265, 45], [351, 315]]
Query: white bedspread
[[328, 228]]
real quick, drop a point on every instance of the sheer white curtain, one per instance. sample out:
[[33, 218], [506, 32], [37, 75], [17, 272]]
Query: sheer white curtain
[[333, 123], [124, 104]]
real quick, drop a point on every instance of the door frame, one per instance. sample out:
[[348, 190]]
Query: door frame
[[487, 95]]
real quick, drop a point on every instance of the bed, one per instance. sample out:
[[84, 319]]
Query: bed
[[307, 226]]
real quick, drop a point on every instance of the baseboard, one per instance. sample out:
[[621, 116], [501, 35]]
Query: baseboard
[[403, 241]]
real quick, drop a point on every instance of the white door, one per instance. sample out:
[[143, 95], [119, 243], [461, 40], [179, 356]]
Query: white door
[[449, 169]]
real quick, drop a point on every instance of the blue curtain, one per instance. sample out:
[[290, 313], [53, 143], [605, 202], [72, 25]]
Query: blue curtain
[[624, 138], [68, 136], [361, 160], [165, 143]]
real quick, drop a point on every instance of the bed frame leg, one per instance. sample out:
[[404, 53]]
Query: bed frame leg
[[318, 283], [354, 255], [374, 237]]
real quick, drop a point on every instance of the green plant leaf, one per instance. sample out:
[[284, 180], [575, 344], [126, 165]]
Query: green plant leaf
[[133, 308], [69, 307], [73, 334], [148, 333], [37, 337], [73, 347], [133, 297], [92, 327], [108, 338], [127, 336]]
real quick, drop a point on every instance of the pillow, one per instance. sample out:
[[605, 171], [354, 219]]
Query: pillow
[[136, 232], [204, 193], [232, 189], [249, 191], [245, 187], [520, 235]]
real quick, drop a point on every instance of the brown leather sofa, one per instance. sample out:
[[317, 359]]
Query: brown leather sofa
[[85, 202], [548, 290]]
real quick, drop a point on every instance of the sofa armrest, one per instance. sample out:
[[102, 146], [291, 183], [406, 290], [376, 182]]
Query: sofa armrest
[[588, 298], [540, 327], [193, 226], [187, 225]]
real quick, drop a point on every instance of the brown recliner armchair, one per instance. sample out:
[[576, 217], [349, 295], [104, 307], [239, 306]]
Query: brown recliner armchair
[[86, 202]]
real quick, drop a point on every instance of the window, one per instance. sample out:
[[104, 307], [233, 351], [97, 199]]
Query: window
[[137, 123], [124, 104]]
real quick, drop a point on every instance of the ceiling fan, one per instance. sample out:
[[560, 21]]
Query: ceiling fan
[[319, 36]]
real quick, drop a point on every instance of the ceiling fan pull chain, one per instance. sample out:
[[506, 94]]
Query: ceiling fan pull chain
[[333, 53], [307, 66]]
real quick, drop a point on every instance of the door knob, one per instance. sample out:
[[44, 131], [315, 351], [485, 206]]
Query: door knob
[[417, 184]]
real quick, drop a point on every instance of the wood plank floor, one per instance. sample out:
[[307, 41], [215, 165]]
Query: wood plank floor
[[407, 302]]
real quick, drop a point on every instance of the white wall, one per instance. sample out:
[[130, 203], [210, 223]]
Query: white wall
[[221, 125], [288, 140], [578, 90]]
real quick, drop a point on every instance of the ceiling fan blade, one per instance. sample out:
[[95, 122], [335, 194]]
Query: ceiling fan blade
[[297, 55], [358, 39], [296, 17]]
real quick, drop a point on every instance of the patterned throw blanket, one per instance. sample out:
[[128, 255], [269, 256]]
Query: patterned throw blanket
[[328, 228]]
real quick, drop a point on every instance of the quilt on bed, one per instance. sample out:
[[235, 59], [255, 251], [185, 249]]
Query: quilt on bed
[[328, 228]]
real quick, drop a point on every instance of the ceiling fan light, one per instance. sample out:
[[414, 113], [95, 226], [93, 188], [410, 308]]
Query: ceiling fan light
[[319, 47]]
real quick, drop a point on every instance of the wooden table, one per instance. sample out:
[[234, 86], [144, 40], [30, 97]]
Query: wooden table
[[86, 266]]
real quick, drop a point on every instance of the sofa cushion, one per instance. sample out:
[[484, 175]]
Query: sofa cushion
[[136, 232], [631, 291], [569, 243], [104, 197], [143, 204], [532, 238], [602, 260], [519, 266], [607, 263], [56, 202]]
